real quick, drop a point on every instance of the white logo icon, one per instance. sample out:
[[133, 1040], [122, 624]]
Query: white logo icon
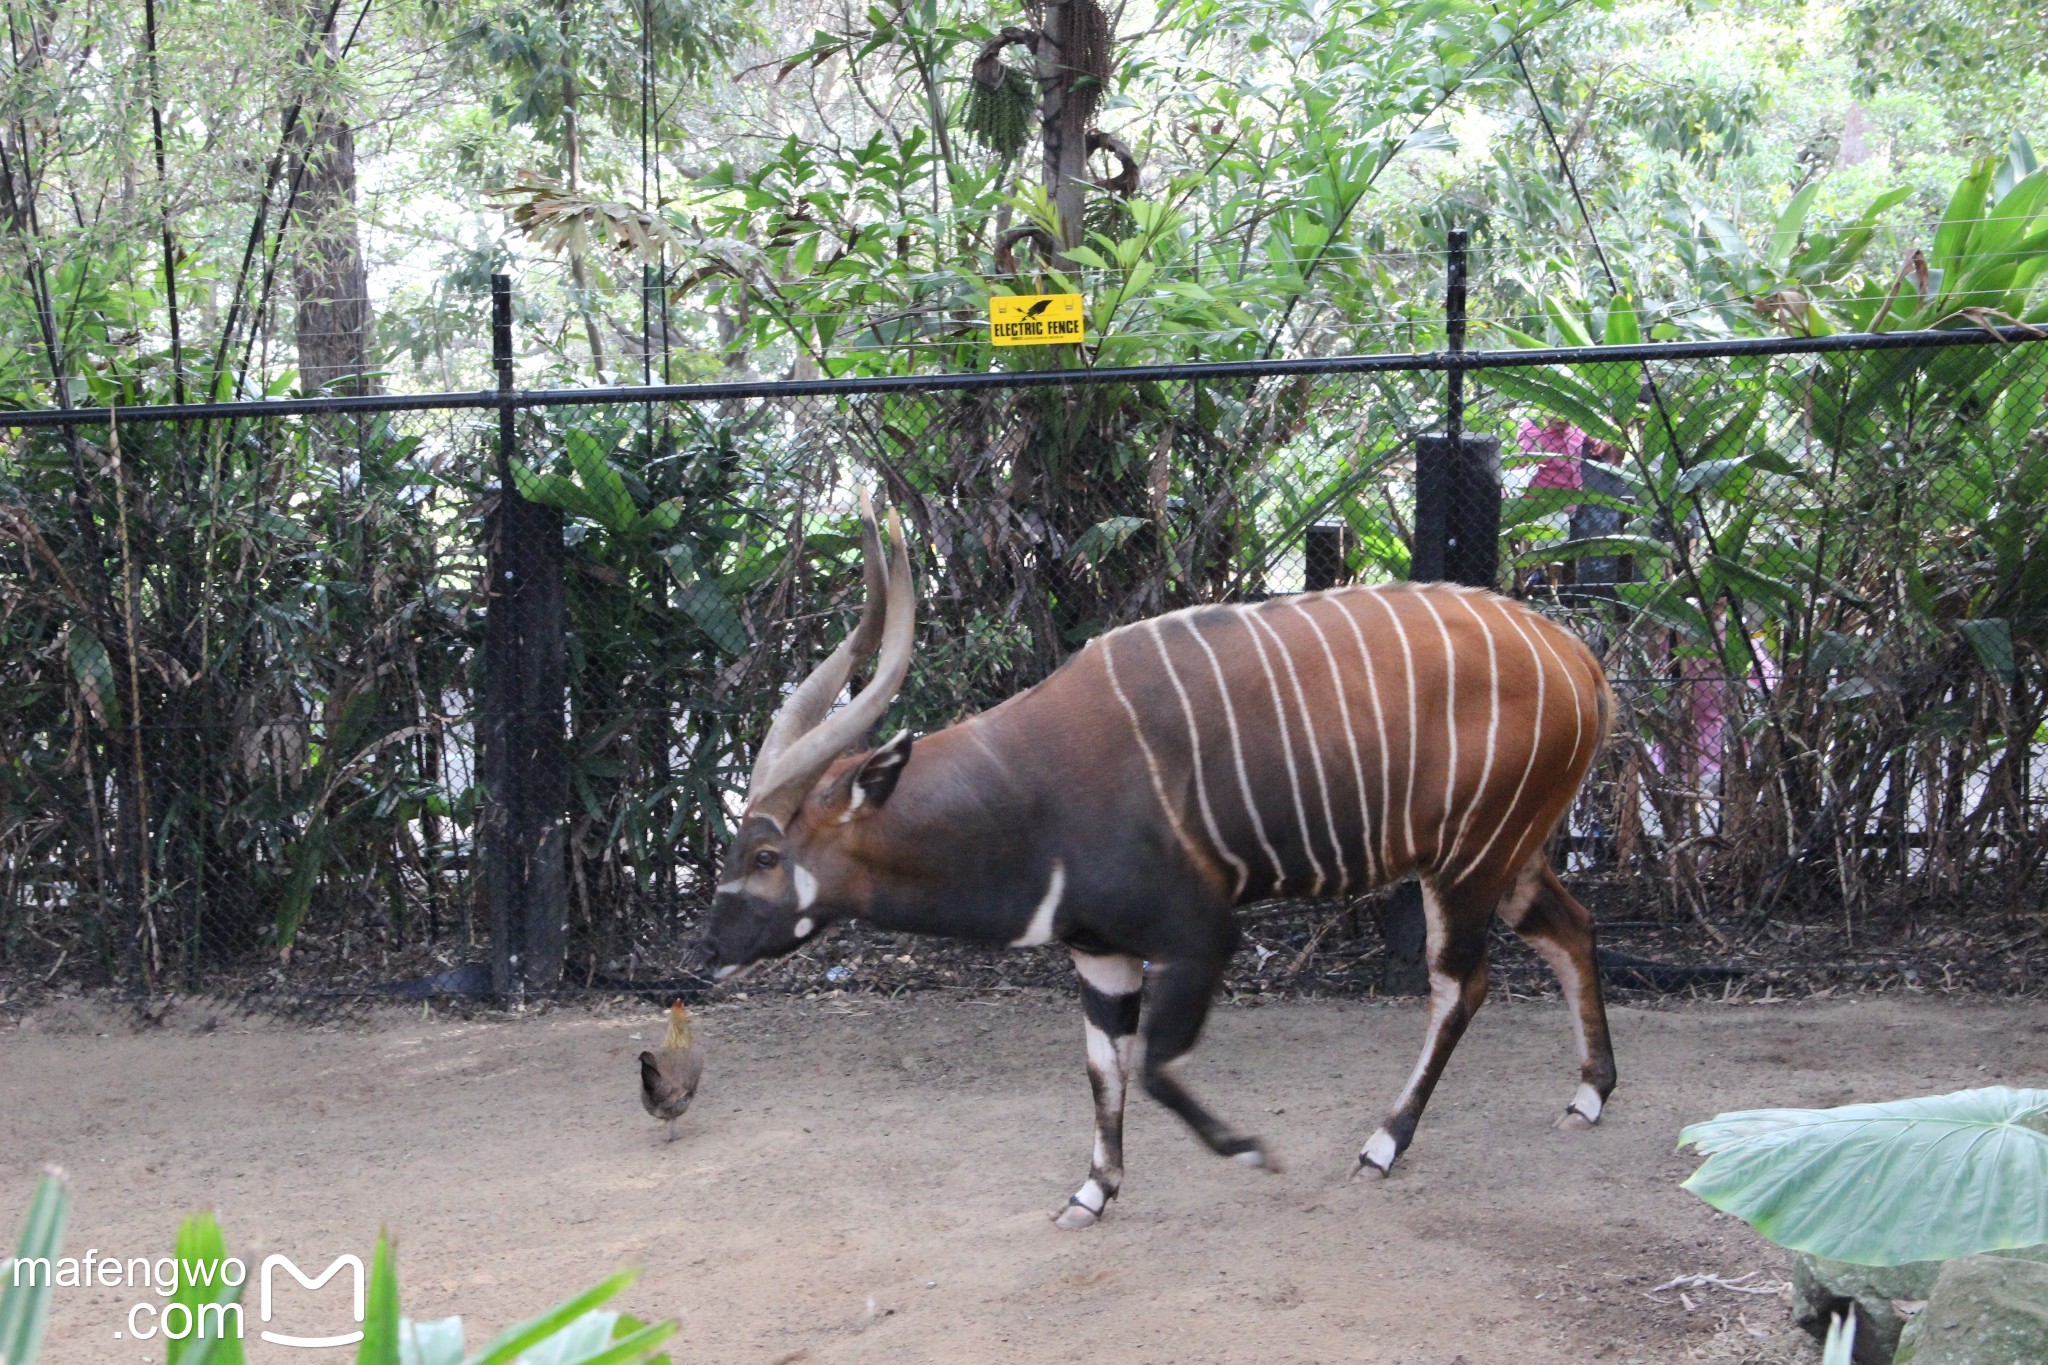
[[279, 1338]]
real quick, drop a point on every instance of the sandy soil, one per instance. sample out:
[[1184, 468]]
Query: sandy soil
[[864, 1180]]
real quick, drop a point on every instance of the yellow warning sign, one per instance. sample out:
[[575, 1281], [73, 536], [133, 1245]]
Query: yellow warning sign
[[1034, 319]]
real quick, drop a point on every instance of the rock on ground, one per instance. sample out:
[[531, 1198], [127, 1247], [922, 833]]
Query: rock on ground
[[1983, 1310]]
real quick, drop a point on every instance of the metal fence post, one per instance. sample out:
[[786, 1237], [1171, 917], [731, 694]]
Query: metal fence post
[[1457, 540], [1325, 552], [525, 687]]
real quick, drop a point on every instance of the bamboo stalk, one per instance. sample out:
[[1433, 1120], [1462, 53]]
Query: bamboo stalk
[[156, 125], [147, 925]]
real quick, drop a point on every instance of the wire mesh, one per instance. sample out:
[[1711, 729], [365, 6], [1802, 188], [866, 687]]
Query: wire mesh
[[282, 688]]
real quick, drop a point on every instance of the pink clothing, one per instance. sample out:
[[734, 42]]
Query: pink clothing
[[1555, 438]]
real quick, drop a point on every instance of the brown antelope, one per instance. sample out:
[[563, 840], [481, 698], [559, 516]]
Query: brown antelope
[[1177, 768]]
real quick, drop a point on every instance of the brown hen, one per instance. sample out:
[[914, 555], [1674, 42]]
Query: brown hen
[[669, 1074]]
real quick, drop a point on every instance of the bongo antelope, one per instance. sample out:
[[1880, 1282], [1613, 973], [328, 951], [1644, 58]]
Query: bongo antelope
[[1170, 771]]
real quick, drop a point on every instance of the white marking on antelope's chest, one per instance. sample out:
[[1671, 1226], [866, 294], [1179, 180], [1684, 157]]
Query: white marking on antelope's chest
[[1040, 929], [806, 887]]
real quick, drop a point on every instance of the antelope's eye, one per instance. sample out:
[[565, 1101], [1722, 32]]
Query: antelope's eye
[[766, 858]]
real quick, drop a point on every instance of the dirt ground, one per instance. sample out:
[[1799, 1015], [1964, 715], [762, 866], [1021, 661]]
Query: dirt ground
[[863, 1180]]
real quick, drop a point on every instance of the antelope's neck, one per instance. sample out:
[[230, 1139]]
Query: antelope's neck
[[957, 848]]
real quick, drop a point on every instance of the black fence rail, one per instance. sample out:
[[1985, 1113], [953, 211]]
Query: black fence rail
[[338, 690]]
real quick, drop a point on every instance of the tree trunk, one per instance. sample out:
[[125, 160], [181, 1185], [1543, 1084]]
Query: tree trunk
[[572, 149], [1064, 55], [333, 318]]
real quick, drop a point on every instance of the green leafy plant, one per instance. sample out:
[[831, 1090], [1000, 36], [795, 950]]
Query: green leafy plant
[[576, 1331], [1842, 553], [1885, 1184]]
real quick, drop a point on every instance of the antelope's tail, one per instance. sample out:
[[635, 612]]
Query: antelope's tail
[[1603, 704]]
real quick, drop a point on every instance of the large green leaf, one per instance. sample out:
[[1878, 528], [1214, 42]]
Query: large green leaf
[[309, 851], [1587, 546], [1569, 321], [611, 505], [1559, 393], [1716, 476], [1785, 232], [1533, 504], [1104, 538], [707, 606], [1884, 1184], [430, 1343], [1991, 637], [1753, 582], [1965, 212], [94, 672], [1667, 603], [1624, 327]]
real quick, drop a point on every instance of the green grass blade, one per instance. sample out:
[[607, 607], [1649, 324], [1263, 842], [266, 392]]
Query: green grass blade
[[380, 1309], [201, 1256], [24, 1307], [634, 1347]]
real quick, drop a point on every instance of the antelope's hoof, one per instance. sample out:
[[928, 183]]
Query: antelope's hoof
[[1075, 1216], [1251, 1152], [1377, 1156], [1582, 1113]]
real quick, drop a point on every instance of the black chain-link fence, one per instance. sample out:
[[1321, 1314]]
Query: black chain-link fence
[[293, 690]]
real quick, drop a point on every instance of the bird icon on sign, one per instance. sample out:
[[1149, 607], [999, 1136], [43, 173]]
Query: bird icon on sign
[[1035, 319]]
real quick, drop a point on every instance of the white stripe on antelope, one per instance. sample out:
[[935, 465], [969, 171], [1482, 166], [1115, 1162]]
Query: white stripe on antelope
[[1170, 772]]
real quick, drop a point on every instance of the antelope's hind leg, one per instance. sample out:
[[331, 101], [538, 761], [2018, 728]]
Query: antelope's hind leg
[[1455, 950], [1111, 987], [1552, 921]]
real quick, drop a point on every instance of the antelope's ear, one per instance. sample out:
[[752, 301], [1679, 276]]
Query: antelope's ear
[[870, 782]]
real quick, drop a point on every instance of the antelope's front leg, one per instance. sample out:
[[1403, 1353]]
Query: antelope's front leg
[[1111, 985]]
